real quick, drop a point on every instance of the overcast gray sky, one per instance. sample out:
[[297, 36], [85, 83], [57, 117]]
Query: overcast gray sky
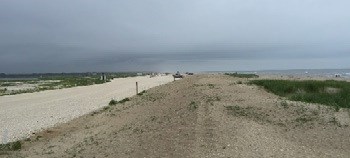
[[170, 35]]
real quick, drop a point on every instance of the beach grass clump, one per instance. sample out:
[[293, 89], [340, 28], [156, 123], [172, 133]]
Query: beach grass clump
[[141, 93], [14, 146], [242, 75], [113, 102], [124, 100], [192, 106], [330, 92]]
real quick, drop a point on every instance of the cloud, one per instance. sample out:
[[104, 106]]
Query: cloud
[[90, 35]]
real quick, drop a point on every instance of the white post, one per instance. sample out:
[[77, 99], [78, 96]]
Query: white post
[[4, 136]]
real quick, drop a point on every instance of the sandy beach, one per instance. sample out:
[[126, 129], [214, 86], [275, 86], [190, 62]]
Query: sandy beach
[[24, 114]]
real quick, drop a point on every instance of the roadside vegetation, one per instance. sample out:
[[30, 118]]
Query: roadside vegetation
[[14, 146], [41, 82], [330, 92], [242, 75], [141, 93], [115, 102]]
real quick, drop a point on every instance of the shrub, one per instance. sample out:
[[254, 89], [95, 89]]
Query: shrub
[[124, 100], [113, 102], [14, 146]]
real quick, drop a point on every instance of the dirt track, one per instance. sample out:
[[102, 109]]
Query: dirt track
[[199, 116]]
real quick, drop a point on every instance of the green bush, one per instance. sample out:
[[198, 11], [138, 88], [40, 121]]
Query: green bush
[[14, 146], [113, 102]]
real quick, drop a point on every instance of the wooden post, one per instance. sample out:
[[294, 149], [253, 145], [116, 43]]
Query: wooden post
[[137, 88]]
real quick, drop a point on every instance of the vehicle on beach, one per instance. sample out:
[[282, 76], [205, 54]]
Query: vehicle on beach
[[178, 75]]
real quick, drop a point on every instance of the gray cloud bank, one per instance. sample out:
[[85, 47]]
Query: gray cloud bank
[[165, 35]]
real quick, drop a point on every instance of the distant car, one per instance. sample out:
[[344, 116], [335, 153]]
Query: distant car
[[178, 75]]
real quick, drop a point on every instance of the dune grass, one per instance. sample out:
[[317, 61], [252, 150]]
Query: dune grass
[[242, 75], [330, 92], [14, 146], [113, 102]]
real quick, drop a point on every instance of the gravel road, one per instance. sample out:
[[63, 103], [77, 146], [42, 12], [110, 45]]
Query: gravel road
[[23, 114]]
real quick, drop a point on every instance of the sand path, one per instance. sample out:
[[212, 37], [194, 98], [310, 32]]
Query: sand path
[[23, 114]]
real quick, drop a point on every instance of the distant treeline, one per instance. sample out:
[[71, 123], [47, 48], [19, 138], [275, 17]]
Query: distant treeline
[[242, 75]]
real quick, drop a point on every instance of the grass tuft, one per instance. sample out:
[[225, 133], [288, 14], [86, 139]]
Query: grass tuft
[[14, 146], [141, 93], [113, 102], [193, 106], [124, 100], [211, 86], [284, 104]]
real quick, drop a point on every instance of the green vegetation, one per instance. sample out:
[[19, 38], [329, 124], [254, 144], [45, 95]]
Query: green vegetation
[[14, 146], [71, 81], [113, 102], [242, 75], [52, 81], [211, 86], [284, 104], [330, 92], [193, 106], [124, 100], [141, 93], [211, 100], [6, 84], [122, 75]]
